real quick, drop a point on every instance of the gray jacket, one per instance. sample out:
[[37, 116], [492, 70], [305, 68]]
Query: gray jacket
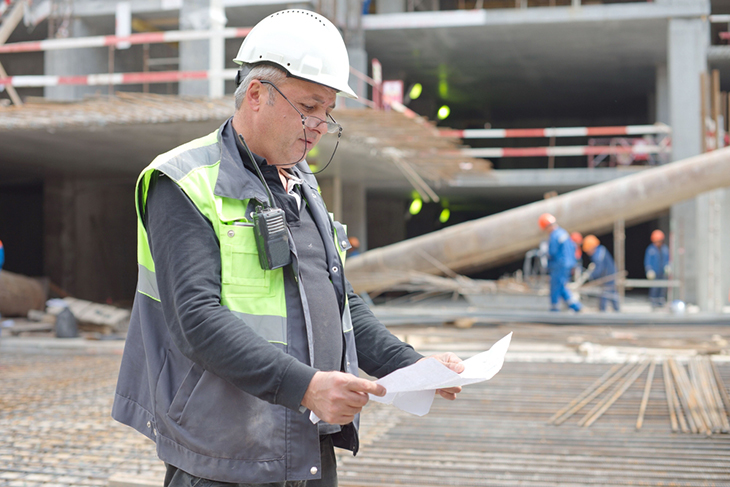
[[220, 401]]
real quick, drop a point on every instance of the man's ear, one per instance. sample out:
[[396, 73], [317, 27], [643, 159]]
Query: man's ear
[[256, 95]]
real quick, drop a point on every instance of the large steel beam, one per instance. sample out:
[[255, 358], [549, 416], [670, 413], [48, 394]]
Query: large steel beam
[[476, 243]]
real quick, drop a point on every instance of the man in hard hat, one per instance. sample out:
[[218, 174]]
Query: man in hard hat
[[243, 323], [603, 267], [656, 265], [561, 260]]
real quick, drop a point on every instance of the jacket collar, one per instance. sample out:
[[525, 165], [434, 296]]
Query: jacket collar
[[235, 180]]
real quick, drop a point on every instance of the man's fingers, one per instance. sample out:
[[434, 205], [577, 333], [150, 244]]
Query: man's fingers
[[367, 386], [451, 360], [446, 395], [457, 367]]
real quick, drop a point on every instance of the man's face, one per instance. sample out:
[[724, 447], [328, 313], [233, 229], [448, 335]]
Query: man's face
[[285, 138], [659, 243]]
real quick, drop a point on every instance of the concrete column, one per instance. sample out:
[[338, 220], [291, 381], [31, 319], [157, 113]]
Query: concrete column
[[724, 245], [696, 225], [354, 212], [661, 95], [687, 59], [349, 20], [68, 62], [217, 49], [59, 240], [390, 7], [359, 61], [195, 55]]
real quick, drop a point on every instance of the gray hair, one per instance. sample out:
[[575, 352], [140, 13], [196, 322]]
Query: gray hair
[[265, 71]]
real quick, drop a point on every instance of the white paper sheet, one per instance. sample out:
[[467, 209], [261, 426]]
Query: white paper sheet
[[412, 388]]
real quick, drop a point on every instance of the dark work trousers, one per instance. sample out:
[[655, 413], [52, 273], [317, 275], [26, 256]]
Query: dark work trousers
[[177, 478]]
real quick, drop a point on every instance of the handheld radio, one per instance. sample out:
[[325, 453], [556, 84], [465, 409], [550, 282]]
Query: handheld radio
[[269, 227]]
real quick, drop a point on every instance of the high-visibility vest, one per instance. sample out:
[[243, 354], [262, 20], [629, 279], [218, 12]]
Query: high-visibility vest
[[255, 295]]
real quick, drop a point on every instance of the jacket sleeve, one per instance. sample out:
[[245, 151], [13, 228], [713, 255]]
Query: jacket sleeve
[[600, 261], [648, 264], [187, 260], [379, 352]]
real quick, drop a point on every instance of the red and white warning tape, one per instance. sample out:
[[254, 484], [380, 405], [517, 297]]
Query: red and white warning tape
[[556, 132], [568, 150], [142, 38], [114, 78]]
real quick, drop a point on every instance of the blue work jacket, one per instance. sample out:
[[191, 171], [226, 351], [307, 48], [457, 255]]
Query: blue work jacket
[[604, 264], [656, 259], [561, 250]]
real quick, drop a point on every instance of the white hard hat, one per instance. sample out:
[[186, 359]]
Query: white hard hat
[[305, 44]]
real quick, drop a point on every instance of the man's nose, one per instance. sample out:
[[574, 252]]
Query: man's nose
[[320, 129]]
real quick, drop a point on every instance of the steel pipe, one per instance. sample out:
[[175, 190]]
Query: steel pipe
[[477, 243]]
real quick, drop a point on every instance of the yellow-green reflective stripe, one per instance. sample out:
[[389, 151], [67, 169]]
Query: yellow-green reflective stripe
[[147, 283], [270, 328]]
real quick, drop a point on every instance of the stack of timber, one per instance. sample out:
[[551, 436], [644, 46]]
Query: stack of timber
[[696, 396]]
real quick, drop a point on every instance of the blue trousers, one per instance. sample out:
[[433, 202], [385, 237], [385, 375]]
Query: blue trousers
[[657, 296], [609, 294], [558, 279]]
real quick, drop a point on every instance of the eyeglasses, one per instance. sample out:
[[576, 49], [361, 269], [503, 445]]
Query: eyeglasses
[[310, 121]]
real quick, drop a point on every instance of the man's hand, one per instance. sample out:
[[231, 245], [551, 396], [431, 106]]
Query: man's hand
[[650, 274], [454, 363], [336, 397]]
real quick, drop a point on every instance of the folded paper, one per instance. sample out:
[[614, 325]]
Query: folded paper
[[412, 388]]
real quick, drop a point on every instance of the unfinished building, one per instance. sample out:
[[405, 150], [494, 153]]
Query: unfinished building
[[70, 155]]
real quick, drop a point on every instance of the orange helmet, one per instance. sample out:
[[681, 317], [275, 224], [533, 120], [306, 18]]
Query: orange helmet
[[545, 220], [657, 236], [576, 237], [590, 243]]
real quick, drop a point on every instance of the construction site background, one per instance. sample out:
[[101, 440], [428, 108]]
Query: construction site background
[[68, 165]]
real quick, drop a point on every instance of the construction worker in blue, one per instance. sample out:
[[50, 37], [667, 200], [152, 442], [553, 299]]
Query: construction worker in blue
[[603, 267], [656, 265], [561, 261]]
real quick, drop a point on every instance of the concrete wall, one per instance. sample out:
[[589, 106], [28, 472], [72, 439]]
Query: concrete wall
[[386, 222], [22, 226], [90, 237]]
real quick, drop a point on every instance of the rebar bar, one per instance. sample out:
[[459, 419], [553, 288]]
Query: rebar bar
[[592, 416], [645, 398]]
